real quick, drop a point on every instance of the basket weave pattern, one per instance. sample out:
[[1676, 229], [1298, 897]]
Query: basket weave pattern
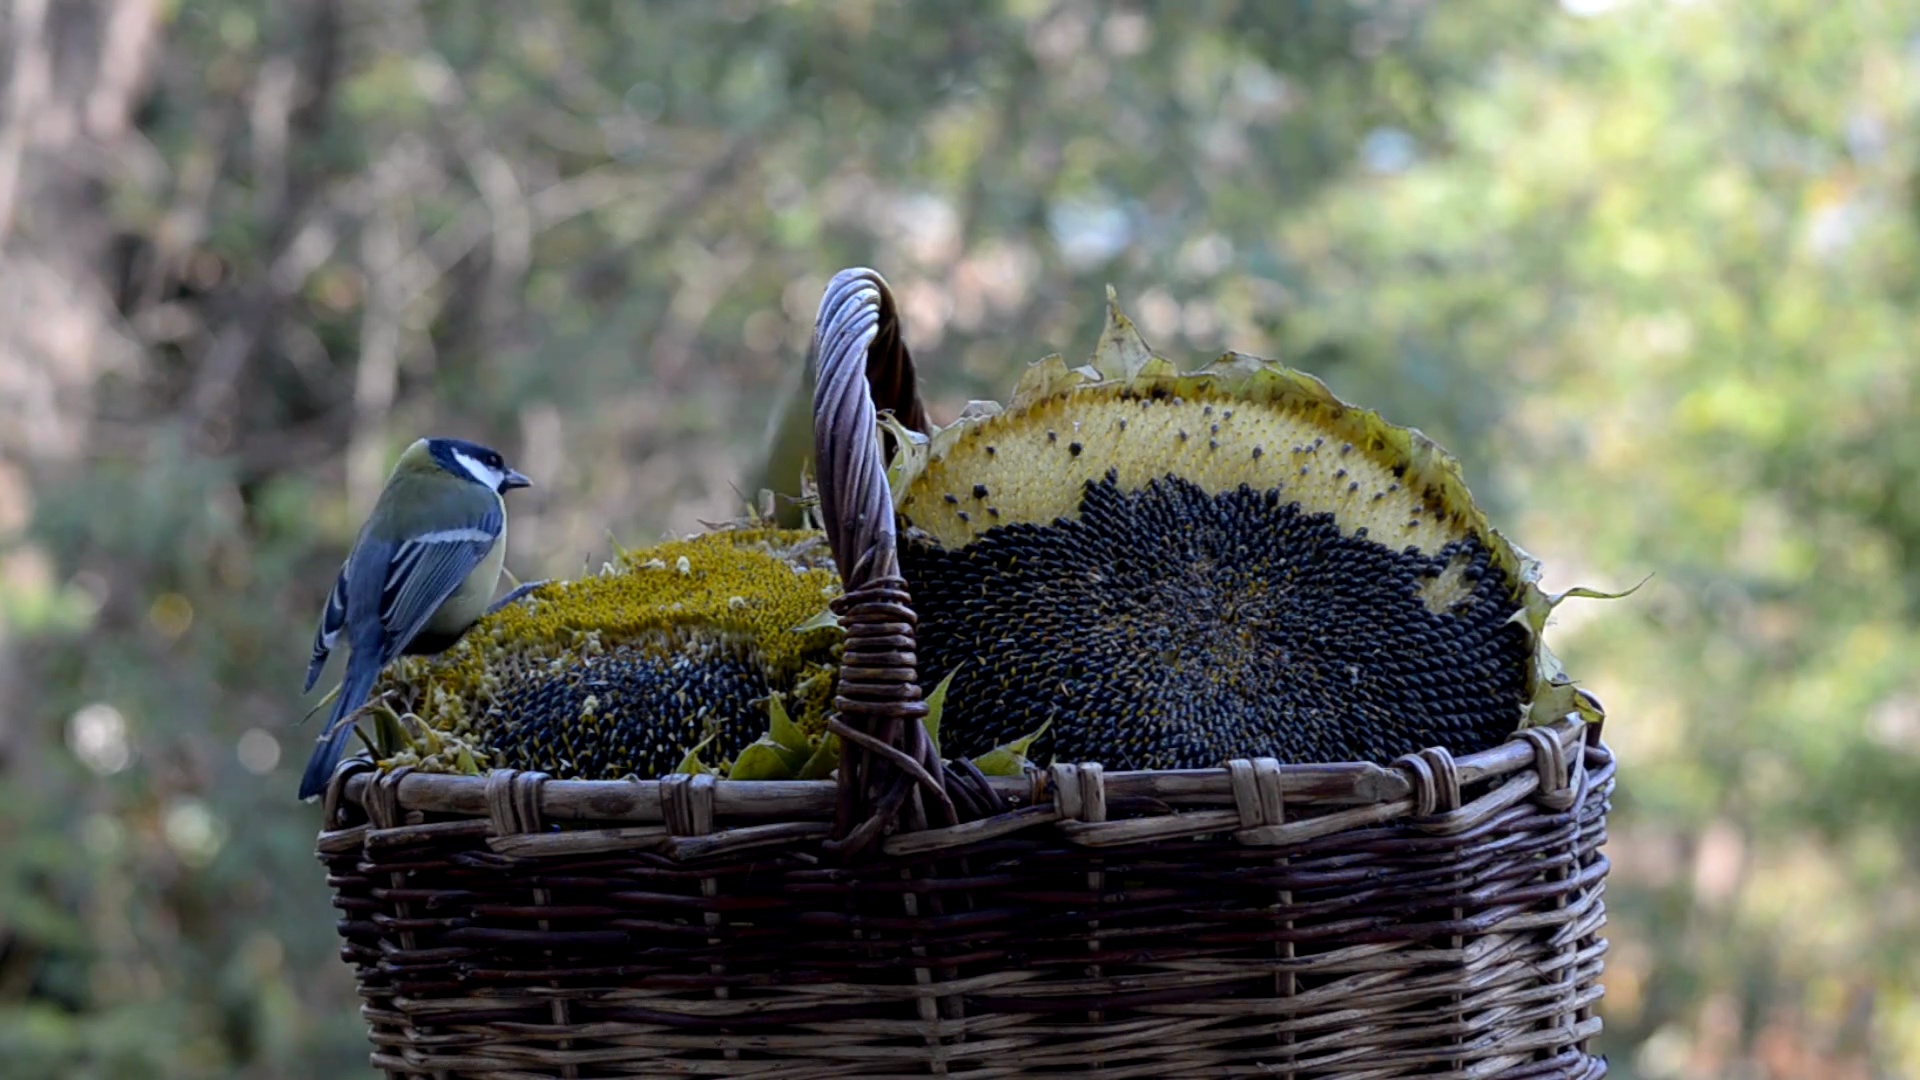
[[1440, 917], [672, 930]]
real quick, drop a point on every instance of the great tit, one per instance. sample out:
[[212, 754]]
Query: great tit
[[422, 571]]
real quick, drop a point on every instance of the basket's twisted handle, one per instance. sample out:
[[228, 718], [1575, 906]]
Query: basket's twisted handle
[[886, 757], [893, 385]]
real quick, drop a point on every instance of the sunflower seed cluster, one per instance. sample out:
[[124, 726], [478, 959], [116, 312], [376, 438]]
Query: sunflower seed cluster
[[1166, 627]]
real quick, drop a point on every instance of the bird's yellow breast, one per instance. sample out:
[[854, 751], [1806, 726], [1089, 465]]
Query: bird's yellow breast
[[470, 600]]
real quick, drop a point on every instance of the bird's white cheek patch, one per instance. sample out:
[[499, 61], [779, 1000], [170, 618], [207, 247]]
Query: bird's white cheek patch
[[488, 476]]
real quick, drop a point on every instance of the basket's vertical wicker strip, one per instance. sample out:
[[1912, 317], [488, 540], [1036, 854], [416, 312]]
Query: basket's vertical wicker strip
[[339, 848], [1436, 782], [686, 801], [1557, 793], [974, 799], [1079, 793], [1592, 857], [933, 1033], [384, 811], [513, 806], [1258, 800], [1562, 789]]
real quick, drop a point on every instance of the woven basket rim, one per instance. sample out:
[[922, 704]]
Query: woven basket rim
[[735, 803]]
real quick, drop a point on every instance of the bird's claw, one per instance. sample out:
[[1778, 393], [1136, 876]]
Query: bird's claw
[[517, 594]]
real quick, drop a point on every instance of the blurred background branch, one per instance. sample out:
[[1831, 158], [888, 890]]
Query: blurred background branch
[[1649, 267]]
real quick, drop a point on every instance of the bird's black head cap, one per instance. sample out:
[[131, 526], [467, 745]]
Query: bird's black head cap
[[472, 461]]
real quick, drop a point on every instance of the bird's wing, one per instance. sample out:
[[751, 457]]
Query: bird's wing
[[331, 620], [424, 570]]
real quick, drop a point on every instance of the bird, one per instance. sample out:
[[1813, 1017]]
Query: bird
[[422, 571]]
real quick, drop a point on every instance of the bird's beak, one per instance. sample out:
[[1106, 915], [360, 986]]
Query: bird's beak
[[514, 479]]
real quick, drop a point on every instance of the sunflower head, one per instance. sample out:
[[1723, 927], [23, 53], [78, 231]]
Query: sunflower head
[[1172, 568], [669, 649]]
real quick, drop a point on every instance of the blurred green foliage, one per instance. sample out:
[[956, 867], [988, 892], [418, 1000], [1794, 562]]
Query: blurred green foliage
[[1648, 266]]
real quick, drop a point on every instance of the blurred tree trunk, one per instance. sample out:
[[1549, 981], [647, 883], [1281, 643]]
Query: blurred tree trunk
[[75, 72]]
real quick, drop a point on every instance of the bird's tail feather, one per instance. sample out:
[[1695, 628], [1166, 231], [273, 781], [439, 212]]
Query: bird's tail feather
[[333, 740]]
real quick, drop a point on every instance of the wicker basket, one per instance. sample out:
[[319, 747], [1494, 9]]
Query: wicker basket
[[1437, 918]]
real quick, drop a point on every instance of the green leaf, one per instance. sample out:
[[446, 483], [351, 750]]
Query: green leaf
[[910, 455], [764, 760], [825, 619], [825, 759], [692, 763], [936, 703], [390, 734], [321, 704], [784, 732], [1009, 759]]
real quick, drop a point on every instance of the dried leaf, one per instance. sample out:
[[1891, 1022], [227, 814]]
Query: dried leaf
[[1121, 352]]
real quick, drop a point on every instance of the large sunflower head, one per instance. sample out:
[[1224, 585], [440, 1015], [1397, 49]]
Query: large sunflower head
[[1169, 568]]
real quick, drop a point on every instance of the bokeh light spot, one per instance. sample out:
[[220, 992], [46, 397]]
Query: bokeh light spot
[[193, 832], [102, 835], [258, 751], [97, 735], [171, 615]]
